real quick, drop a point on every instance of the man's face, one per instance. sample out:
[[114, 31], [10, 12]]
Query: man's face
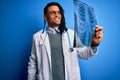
[[53, 16]]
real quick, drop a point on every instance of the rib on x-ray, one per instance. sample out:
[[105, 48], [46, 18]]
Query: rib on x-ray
[[84, 22]]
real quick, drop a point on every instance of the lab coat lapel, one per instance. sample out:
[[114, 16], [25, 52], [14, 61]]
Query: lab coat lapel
[[65, 43], [46, 44]]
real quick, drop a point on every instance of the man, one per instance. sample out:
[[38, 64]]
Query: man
[[53, 56]]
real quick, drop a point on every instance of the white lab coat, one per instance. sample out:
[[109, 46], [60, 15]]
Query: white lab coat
[[39, 67]]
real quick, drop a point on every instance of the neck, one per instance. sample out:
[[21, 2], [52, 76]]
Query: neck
[[50, 26]]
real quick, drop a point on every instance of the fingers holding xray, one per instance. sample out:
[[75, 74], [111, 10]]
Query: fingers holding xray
[[98, 35]]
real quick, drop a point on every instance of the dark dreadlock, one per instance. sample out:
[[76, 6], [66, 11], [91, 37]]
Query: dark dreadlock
[[62, 26]]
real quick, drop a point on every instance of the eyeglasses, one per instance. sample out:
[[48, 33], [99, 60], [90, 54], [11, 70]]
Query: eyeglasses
[[54, 12]]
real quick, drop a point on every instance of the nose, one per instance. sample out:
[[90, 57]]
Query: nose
[[57, 13]]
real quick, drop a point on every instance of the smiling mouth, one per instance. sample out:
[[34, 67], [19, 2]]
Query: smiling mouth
[[57, 19]]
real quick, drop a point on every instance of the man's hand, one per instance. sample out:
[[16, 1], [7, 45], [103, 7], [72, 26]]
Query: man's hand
[[98, 35]]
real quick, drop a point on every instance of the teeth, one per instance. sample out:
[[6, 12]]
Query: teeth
[[56, 19]]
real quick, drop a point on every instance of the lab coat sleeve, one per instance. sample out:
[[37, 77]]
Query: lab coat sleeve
[[86, 52], [32, 64]]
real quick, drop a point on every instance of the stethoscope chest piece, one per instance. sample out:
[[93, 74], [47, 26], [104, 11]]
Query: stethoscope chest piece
[[71, 49]]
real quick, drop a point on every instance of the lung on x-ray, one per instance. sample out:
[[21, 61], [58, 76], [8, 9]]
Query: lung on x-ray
[[84, 23]]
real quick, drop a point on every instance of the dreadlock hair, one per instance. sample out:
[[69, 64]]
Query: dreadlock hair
[[62, 26]]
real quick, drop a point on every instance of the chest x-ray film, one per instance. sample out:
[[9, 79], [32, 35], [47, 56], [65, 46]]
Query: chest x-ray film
[[84, 24]]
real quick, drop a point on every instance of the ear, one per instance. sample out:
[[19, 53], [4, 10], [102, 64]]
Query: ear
[[45, 17]]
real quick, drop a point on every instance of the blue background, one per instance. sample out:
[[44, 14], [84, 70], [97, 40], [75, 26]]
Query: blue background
[[20, 19]]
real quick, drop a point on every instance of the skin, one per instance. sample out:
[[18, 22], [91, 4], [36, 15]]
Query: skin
[[98, 35], [53, 17]]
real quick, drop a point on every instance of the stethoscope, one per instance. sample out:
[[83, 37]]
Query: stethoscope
[[71, 49]]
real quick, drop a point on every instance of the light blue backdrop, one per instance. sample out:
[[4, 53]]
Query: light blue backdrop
[[20, 19]]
